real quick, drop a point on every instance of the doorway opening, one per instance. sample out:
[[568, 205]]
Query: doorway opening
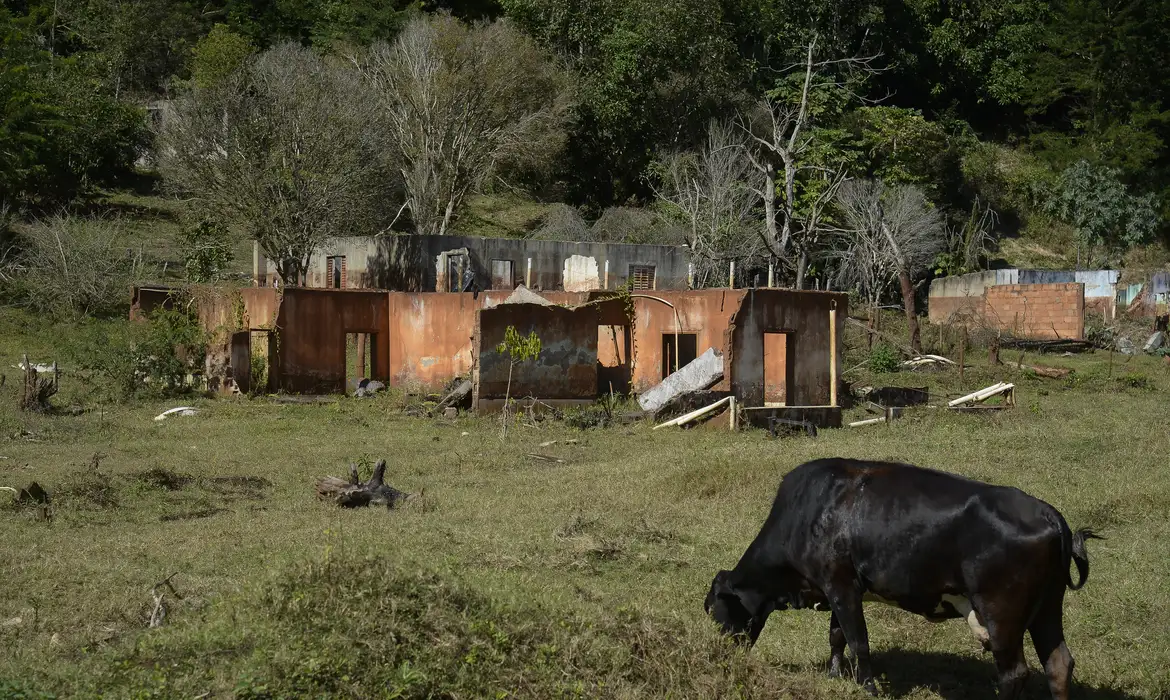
[[613, 359], [684, 353], [777, 346], [359, 358]]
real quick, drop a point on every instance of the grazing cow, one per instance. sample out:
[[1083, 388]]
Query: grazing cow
[[843, 531]]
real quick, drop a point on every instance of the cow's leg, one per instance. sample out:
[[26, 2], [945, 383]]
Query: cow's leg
[[1048, 636], [846, 604], [836, 648], [1005, 619]]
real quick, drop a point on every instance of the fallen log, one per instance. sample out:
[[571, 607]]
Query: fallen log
[[1050, 372], [354, 494]]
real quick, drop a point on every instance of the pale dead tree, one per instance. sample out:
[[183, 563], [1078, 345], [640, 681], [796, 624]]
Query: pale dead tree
[[282, 151], [901, 229], [782, 134], [461, 104], [709, 191]]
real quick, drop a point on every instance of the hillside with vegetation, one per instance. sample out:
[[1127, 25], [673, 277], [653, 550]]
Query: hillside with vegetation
[[991, 132]]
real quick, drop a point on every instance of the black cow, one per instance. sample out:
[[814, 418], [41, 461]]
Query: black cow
[[843, 531]]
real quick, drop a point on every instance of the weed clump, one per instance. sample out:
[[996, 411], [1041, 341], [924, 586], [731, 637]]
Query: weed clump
[[883, 359]]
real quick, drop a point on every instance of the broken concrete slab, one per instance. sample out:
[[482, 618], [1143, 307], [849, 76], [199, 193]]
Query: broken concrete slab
[[524, 295], [1156, 341], [1125, 346], [458, 396], [699, 374], [367, 387]]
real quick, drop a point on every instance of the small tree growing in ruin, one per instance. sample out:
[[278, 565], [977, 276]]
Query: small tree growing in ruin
[[519, 349]]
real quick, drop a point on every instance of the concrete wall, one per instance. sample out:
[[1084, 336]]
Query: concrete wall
[[412, 263], [313, 324], [953, 297], [803, 317], [566, 368], [1041, 311]]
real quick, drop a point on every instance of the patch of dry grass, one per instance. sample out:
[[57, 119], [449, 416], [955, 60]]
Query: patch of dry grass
[[538, 579]]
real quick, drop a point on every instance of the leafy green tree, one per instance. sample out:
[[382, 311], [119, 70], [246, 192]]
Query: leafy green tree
[[217, 55], [518, 348], [207, 250], [1093, 200]]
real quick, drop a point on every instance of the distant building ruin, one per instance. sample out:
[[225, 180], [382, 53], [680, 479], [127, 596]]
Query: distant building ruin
[[432, 263]]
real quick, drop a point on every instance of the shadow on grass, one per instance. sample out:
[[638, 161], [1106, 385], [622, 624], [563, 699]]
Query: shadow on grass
[[953, 677]]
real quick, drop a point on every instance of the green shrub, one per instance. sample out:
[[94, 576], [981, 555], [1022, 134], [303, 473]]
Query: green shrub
[[883, 359], [161, 356]]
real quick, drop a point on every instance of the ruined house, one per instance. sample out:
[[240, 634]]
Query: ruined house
[[780, 348], [433, 263]]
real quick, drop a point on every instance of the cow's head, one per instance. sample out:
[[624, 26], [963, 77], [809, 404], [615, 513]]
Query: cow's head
[[740, 611]]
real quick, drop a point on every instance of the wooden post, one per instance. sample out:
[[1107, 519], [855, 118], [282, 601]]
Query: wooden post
[[833, 357], [361, 356], [993, 352], [605, 284], [962, 353], [731, 276], [731, 407], [528, 275], [771, 275], [690, 275]]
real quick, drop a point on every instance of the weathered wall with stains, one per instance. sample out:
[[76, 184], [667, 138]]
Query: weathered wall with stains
[[1041, 311], [431, 333], [566, 368], [706, 313], [803, 317], [313, 324], [410, 263]]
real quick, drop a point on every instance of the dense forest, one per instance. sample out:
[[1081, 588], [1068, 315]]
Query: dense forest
[[867, 144]]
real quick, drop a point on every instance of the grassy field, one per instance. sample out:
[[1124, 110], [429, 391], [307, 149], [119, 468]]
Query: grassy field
[[513, 576]]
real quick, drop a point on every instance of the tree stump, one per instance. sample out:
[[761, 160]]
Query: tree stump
[[354, 494]]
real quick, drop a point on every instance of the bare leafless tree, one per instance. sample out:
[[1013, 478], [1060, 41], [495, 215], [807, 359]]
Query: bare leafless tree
[[782, 136], [461, 104], [284, 151], [898, 229], [709, 191], [72, 266]]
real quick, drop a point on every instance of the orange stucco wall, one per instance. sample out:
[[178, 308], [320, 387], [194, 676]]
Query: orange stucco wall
[[313, 324], [705, 312]]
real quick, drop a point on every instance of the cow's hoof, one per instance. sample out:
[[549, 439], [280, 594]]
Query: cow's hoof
[[870, 687], [835, 668]]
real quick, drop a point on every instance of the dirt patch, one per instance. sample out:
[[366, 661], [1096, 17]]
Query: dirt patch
[[192, 514], [248, 487], [163, 479], [93, 489]]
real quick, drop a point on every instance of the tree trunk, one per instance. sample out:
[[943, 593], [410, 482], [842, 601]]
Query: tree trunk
[[801, 266], [911, 312], [770, 208]]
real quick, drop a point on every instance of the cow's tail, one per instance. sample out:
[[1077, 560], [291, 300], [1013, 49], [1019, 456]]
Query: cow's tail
[[1073, 544]]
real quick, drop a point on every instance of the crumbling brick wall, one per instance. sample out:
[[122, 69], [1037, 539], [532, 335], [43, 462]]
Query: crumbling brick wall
[[1040, 311]]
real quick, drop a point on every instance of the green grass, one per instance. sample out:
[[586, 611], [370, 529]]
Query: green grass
[[516, 577]]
